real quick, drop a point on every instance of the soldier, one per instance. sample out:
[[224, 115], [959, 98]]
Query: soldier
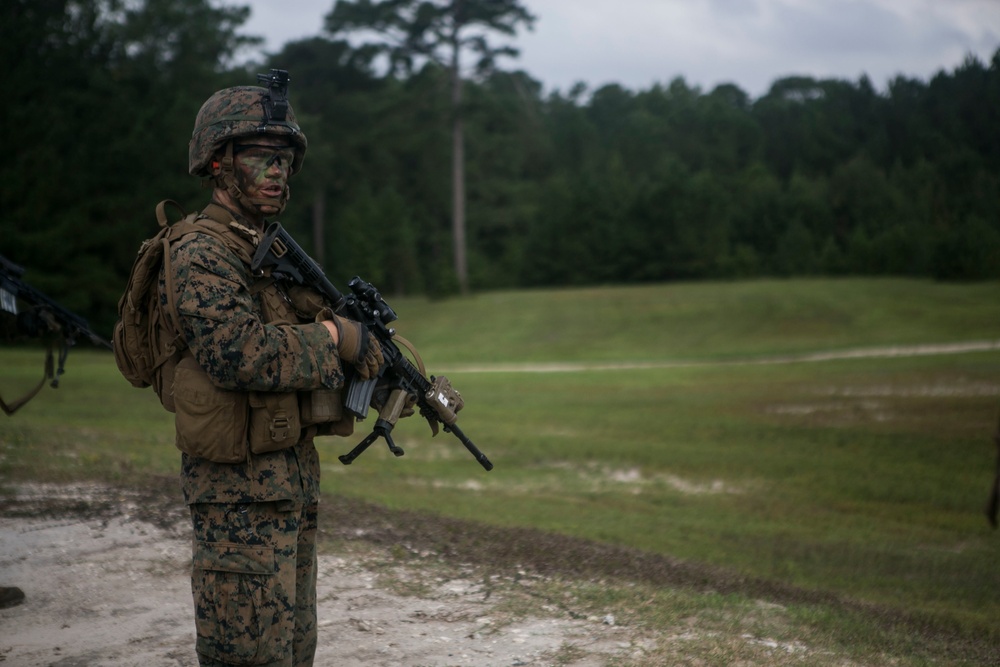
[[258, 379]]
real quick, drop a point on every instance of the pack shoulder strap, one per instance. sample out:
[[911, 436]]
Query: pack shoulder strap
[[169, 233], [214, 221]]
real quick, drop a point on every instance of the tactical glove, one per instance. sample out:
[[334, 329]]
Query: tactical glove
[[381, 396], [409, 407], [358, 347]]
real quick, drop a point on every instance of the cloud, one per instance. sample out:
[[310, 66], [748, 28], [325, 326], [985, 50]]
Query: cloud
[[281, 21], [637, 43]]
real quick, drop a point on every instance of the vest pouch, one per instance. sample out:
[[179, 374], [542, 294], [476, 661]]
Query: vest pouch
[[321, 406], [324, 409], [342, 428], [275, 422], [211, 423]]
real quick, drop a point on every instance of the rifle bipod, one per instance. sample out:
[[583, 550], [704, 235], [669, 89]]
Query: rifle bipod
[[383, 429]]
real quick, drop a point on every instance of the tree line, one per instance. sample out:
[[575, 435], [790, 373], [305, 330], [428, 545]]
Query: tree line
[[577, 187]]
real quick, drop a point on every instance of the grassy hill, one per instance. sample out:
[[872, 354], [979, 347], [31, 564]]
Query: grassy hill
[[667, 421]]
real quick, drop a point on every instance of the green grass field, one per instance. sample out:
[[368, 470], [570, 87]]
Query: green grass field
[[860, 477]]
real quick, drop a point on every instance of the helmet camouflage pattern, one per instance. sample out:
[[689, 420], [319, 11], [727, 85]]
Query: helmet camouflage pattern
[[234, 113]]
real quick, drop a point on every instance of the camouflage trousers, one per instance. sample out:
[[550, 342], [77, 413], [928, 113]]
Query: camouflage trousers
[[254, 583]]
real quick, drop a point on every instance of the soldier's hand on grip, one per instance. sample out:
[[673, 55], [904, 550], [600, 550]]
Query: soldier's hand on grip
[[358, 347]]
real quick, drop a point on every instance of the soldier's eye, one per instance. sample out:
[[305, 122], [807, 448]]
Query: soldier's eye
[[262, 157]]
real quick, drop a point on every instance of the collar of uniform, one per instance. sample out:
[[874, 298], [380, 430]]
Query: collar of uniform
[[222, 215]]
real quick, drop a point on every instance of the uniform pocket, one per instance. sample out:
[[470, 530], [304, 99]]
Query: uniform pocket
[[211, 423], [233, 597]]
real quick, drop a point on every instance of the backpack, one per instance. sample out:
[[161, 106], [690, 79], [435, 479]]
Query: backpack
[[147, 339]]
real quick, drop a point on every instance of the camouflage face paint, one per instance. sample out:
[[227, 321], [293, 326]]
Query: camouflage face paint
[[261, 173]]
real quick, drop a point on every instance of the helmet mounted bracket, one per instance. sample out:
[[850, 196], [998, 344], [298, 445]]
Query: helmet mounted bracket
[[275, 101]]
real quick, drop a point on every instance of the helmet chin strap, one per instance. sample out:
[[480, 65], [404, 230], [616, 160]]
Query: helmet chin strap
[[226, 179]]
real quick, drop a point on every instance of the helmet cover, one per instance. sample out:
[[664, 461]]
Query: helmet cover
[[235, 113]]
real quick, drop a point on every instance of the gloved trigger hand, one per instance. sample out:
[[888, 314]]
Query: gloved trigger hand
[[358, 347]]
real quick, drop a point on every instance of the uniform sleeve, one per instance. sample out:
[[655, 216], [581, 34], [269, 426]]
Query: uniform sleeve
[[223, 328]]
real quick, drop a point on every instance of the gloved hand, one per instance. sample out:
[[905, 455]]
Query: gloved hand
[[358, 347], [409, 407], [381, 396]]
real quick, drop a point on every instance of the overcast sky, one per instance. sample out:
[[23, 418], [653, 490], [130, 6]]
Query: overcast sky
[[637, 43]]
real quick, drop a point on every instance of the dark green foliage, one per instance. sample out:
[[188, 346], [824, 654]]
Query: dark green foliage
[[100, 100], [816, 177]]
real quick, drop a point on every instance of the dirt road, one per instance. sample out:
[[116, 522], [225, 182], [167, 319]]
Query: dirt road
[[106, 583]]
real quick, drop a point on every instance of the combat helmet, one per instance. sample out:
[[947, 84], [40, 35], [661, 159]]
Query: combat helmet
[[241, 112]]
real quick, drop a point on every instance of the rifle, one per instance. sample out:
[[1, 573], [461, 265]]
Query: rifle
[[43, 318], [438, 402]]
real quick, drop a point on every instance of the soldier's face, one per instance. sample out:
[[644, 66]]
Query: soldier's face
[[261, 168]]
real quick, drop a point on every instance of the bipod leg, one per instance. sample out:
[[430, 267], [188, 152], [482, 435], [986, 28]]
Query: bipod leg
[[348, 458], [386, 430], [383, 429]]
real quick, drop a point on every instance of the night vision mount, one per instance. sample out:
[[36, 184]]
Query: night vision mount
[[275, 102]]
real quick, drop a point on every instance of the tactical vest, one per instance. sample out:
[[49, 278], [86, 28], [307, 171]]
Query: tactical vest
[[217, 424]]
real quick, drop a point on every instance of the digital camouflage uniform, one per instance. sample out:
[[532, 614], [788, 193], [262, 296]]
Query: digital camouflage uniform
[[254, 567], [254, 515]]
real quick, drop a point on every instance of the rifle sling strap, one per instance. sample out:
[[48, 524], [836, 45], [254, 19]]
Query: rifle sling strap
[[14, 406], [416, 355]]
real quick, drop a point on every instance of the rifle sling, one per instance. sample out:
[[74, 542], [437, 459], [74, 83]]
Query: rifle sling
[[416, 355], [14, 406]]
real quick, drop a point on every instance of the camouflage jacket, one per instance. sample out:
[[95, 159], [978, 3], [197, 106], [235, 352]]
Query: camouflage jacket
[[221, 316]]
